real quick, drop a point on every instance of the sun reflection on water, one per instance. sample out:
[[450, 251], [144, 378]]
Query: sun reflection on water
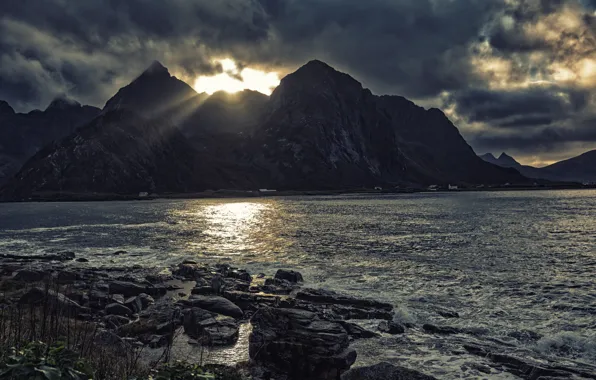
[[233, 223]]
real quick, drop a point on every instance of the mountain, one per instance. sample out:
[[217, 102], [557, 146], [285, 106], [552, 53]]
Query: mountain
[[580, 169], [22, 135], [156, 93], [322, 129], [120, 152]]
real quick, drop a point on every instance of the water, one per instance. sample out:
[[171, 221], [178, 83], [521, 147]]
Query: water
[[507, 262]]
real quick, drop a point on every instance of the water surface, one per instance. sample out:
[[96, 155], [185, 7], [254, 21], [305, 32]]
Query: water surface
[[507, 262]]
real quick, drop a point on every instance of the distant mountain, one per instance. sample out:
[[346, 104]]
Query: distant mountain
[[121, 152], [580, 169], [320, 129], [22, 135]]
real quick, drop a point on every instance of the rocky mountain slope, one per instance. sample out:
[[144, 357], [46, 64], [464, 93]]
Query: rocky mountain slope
[[22, 135], [320, 129], [121, 152], [580, 169]]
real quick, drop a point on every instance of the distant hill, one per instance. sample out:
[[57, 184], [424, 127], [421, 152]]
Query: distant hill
[[580, 169], [23, 134]]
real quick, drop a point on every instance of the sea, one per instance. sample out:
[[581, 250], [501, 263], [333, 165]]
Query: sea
[[518, 267]]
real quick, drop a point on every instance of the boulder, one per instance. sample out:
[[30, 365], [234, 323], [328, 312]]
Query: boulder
[[215, 304], [160, 319], [384, 371], [27, 275], [127, 289], [67, 277], [210, 328], [118, 309], [298, 343], [289, 275], [357, 332], [115, 321], [134, 304], [56, 301], [330, 297], [441, 330], [391, 327]]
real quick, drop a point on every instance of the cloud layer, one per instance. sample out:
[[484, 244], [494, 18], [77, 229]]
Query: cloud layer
[[515, 75]]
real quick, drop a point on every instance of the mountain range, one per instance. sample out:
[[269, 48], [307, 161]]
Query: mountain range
[[320, 129], [580, 169]]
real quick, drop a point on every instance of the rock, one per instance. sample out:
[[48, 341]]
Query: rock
[[240, 275], [218, 284], [384, 371], [329, 297], [156, 341], [118, 253], [391, 327], [289, 275], [119, 298], [67, 277], [56, 301], [441, 330], [146, 300], [27, 275], [296, 342], [448, 313], [115, 321], [118, 309], [202, 290], [357, 332], [215, 304], [134, 304], [127, 289], [159, 319], [210, 328], [82, 260]]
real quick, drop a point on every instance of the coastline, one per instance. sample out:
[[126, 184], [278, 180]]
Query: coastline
[[228, 194]]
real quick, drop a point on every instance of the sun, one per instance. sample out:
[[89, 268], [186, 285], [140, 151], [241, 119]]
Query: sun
[[232, 79]]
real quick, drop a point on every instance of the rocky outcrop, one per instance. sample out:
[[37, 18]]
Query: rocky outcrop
[[57, 302], [384, 371], [210, 328], [215, 304], [300, 345]]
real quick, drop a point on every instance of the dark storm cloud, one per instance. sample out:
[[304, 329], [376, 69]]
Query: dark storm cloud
[[517, 108], [478, 58]]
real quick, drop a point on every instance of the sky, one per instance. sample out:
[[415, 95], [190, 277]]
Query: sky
[[514, 75]]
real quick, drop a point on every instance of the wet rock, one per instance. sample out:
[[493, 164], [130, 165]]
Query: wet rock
[[156, 341], [118, 253], [215, 304], [115, 321], [202, 290], [160, 319], [118, 309], [134, 304], [296, 342], [330, 297], [250, 301], [384, 371], [210, 328], [128, 289], [289, 275], [445, 313], [82, 260], [350, 312], [118, 298], [57, 301], [27, 275], [67, 277], [190, 271], [391, 327], [357, 332], [526, 368], [240, 275], [441, 330]]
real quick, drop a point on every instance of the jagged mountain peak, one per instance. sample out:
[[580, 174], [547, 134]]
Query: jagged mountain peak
[[5, 108], [156, 68], [507, 159], [62, 102], [488, 157]]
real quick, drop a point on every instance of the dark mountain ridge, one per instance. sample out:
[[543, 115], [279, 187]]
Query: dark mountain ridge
[[581, 169], [22, 135], [320, 129]]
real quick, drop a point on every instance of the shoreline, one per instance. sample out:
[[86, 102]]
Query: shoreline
[[197, 305], [237, 194]]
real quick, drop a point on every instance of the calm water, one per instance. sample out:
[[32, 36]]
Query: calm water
[[506, 261]]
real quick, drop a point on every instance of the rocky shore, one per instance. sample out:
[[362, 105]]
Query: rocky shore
[[295, 332]]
